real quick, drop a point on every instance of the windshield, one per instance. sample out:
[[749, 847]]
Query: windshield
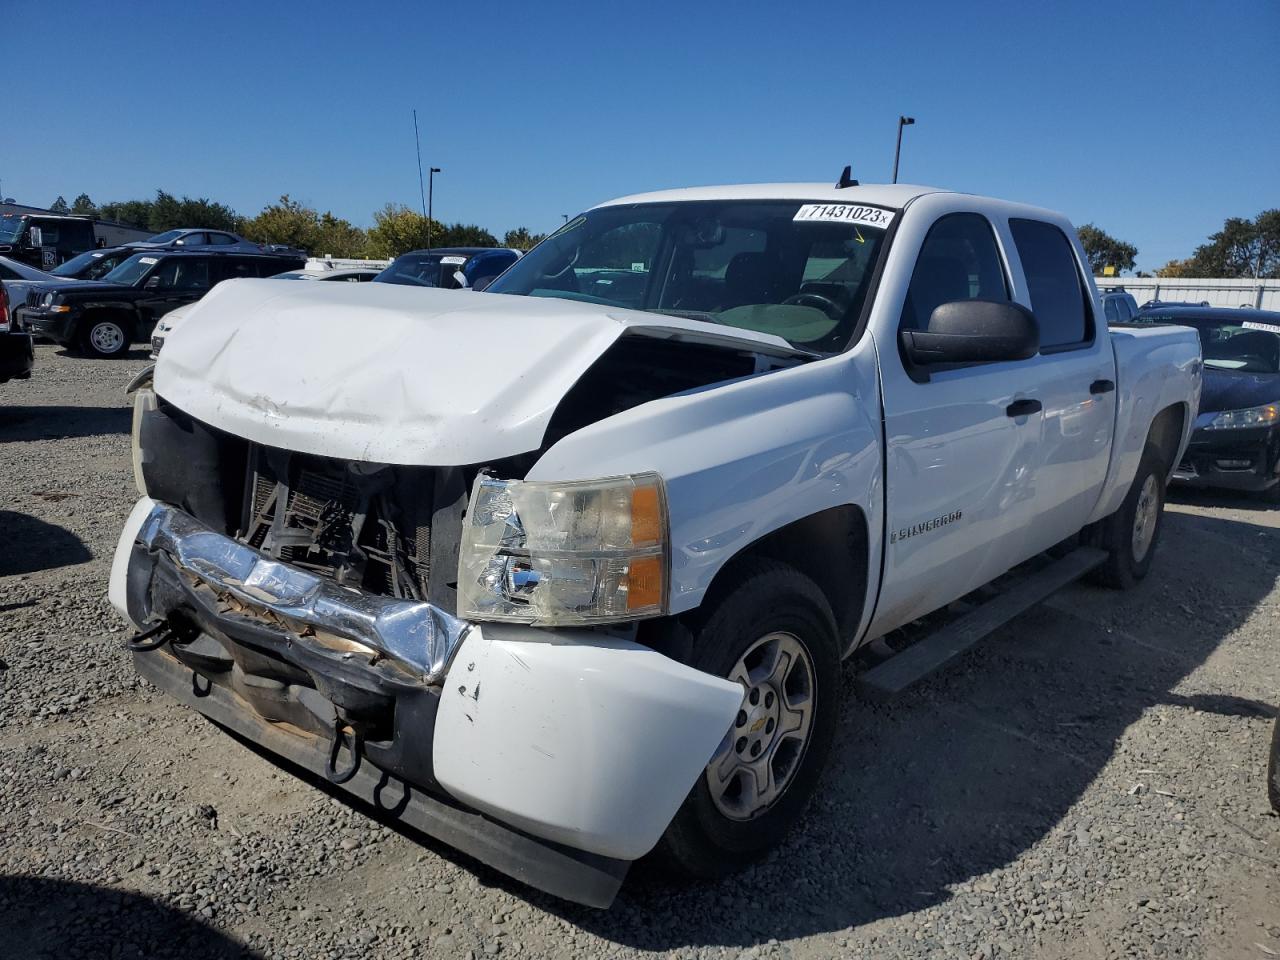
[[1232, 342], [11, 228], [413, 269], [132, 270], [167, 237], [798, 271], [87, 266]]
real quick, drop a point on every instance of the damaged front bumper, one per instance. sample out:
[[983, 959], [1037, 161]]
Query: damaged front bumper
[[555, 756]]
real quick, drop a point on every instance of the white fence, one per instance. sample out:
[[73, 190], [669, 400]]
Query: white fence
[[1263, 294]]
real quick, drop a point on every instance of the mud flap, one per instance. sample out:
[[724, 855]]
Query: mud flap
[[576, 737]]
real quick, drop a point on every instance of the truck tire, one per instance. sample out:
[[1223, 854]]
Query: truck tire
[[106, 335], [1273, 768], [1131, 533], [774, 632]]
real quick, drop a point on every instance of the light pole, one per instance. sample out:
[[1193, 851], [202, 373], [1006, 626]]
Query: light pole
[[897, 151], [431, 177]]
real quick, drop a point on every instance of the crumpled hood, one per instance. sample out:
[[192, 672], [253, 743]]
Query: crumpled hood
[[394, 374]]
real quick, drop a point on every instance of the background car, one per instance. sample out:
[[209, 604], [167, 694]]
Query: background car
[[1236, 443], [478, 267], [103, 317], [221, 241], [1118, 305], [45, 240], [93, 264], [11, 269], [16, 354], [352, 275]]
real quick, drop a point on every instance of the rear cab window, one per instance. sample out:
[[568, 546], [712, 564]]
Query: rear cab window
[[1054, 283]]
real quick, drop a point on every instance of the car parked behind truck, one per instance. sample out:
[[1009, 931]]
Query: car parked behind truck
[[104, 317], [564, 572], [16, 353], [1236, 441]]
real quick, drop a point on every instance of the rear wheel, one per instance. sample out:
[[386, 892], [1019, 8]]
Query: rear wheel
[[106, 336], [1131, 533], [775, 635]]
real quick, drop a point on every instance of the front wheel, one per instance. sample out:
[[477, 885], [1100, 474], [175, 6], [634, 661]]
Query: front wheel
[[774, 634], [1131, 533], [106, 336]]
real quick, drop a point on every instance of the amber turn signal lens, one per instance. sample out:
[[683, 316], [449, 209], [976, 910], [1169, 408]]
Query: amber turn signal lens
[[646, 516], [644, 583]]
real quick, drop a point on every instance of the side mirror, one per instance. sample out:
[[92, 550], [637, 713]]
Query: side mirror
[[35, 236], [151, 284], [974, 331], [460, 279]]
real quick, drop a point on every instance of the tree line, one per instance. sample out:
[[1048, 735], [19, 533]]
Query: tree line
[[1248, 249], [396, 228], [1243, 248]]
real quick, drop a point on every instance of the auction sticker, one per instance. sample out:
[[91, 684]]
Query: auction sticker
[[1255, 325], [854, 213]]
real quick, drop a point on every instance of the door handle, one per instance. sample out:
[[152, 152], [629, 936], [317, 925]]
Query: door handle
[[1021, 408], [1101, 386]]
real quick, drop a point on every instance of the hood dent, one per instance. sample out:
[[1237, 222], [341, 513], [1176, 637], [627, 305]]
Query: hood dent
[[399, 375]]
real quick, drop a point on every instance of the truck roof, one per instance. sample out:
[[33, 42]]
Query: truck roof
[[896, 195], [48, 216]]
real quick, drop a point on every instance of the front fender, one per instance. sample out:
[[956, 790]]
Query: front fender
[[745, 458]]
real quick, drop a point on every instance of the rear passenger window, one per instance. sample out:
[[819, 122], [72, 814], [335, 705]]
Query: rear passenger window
[[233, 267], [1053, 280], [959, 260]]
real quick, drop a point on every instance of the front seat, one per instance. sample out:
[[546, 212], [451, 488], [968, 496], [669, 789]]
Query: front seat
[[753, 278], [936, 280]]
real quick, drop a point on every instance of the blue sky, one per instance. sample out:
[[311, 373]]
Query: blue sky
[[1154, 120]]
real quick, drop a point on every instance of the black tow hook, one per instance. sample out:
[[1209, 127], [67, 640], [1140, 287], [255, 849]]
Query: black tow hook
[[151, 638], [339, 736]]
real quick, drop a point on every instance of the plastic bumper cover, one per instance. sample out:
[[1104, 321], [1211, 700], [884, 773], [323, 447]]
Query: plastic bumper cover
[[1247, 459], [57, 327]]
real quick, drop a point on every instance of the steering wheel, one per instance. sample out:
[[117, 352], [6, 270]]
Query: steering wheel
[[567, 270], [809, 299]]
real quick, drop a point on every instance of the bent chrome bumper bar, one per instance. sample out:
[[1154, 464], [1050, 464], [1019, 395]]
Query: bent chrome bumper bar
[[417, 635]]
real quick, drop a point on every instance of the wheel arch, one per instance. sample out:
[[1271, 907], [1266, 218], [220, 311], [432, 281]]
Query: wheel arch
[[830, 547], [1168, 428]]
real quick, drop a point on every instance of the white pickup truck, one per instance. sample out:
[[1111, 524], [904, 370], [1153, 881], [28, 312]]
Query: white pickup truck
[[565, 571]]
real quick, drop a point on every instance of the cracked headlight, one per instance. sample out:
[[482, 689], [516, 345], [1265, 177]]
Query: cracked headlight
[[579, 552], [1262, 416]]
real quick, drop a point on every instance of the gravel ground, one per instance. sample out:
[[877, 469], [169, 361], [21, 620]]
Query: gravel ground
[[1088, 783]]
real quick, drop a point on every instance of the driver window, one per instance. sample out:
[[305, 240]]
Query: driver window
[[959, 260]]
